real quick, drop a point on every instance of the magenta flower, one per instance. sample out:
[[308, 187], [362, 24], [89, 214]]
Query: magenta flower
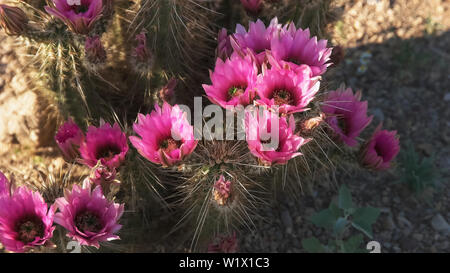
[[252, 6], [290, 90], [224, 244], [88, 216], [107, 144], [224, 48], [346, 114], [296, 47], [25, 220], [259, 130], [257, 39], [69, 138], [102, 175], [232, 82], [380, 150], [141, 51], [166, 135], [79, 18], [94, 50], [222, 191]]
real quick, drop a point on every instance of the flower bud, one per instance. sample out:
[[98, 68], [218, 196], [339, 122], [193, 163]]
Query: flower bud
[[13, 20], [94, 50]]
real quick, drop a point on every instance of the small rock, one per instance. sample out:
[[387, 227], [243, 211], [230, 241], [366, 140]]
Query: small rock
[[418, 237], [388, 223], [440, 224], [403, 221], [286, 219], [378, 114], [447, 97]]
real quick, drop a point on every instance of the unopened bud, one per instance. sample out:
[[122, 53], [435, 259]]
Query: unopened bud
[[13, 20]]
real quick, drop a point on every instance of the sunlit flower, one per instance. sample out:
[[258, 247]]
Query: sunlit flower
[[88, 216], [296, 47], [25, 220], [232, 82], [257, 39], [290, 91], [166, 137], [79, 18]]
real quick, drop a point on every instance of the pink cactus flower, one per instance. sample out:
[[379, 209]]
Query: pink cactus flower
[[88, 216], [102, 174], [105, 144], [69, 138], [232, 82], [380, 150], [224, 244], [258, 129], [94, 50], [224, 48], [166, 135], [252, 6], [222, 191], [296, 47], [141, 51], [25, 220], [346, 114], [257, 39], [167, 92], [290, 90], [79, 17]]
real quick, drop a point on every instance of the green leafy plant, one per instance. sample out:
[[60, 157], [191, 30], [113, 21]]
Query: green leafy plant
[[416, 172], [339, 219]]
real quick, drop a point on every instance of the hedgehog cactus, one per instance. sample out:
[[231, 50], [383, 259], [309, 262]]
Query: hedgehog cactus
[[130, 62]]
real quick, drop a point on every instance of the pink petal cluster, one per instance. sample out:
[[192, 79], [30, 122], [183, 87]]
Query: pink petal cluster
[[94, 50], [224, 48], [257, 39], [232, 81], [380, 150], [25, 219], [290, 91], [346, 114], [88, 216], [79, 18], [222, 190], [167, 92], [102, 175], [69, 138], [166, 135], [105, 144], [141, 51], [252, 6], [296, 47], [288, 142], [224, 244]]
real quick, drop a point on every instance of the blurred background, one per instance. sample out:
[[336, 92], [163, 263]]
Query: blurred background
[[397, 52]]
